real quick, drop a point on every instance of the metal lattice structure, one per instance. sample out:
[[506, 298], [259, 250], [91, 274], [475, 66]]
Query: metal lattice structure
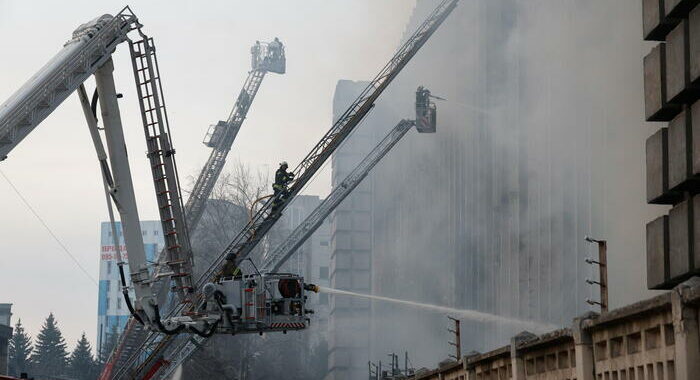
[[161, 156], [157, 353], [215, 164], [87, 51], [307, 227], [134, 337]]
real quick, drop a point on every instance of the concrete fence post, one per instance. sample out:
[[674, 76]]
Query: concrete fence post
[[516, 360], [686, 334], [583, 342]]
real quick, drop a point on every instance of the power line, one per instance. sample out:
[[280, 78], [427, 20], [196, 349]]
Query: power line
[[46, 226]]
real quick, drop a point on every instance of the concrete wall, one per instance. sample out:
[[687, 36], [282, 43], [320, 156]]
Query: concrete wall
[[657, 338], [671, 91]]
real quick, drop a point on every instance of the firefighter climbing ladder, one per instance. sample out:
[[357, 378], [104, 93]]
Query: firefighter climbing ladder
[[161, 360], [186, 347], [307, 227]]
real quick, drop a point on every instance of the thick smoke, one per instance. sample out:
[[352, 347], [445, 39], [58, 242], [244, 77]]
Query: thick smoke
[[540, 143]]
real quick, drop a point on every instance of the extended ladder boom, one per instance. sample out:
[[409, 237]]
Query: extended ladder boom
[[264, 219], [304, 230], [180, 348], [223, 134], [91, 46]]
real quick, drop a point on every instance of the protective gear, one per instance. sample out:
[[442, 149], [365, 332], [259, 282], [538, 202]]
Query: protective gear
[[282, 179]]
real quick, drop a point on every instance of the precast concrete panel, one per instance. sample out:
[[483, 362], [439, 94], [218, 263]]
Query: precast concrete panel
[[658, 271], [656, 103], [680, 251], [655, 23], [679, 8], [657, 167], [679, 151], [678, 85]]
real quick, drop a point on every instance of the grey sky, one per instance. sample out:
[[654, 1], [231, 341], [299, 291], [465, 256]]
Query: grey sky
[[203, 52]]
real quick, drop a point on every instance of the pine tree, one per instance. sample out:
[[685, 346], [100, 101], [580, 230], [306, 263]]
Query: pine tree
[[108, 344], [20, 350], [50, 354], [82, 364]]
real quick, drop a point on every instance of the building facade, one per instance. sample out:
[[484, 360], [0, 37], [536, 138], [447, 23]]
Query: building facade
[[5, 335], [350, 243], [112, 312], [490, 213]]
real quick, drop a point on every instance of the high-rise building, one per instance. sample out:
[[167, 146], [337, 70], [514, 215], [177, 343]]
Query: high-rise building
[[112, 312], [5, 334], [351, 240], [490, 213]]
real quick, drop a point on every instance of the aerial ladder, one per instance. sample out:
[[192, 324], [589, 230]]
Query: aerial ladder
[[89, 53], [425, 122], [154, 357], [265, 57]]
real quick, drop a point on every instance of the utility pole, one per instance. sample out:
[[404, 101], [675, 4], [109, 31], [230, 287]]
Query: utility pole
[[602, 263], [373, 373], [405, 363], [458, 342]]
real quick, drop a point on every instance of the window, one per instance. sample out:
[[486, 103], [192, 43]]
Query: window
[[119, 303], [323, 273], [108, 285], [144, 232], [109, 267], [652, 337], [324, 243], [634, 342], [155, 233], [107, 303]]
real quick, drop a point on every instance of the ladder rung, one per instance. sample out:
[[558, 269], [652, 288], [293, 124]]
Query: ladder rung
[[173, 232], [176, 246], [165, 206]]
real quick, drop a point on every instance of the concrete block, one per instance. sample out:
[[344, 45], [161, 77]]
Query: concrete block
[[679, 88], [657, 107], [695, 132], [694, 46], [681, 241], [679, 8], [657, 169], [657, 253], [695, 259], [655, 23], [680, 156]]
